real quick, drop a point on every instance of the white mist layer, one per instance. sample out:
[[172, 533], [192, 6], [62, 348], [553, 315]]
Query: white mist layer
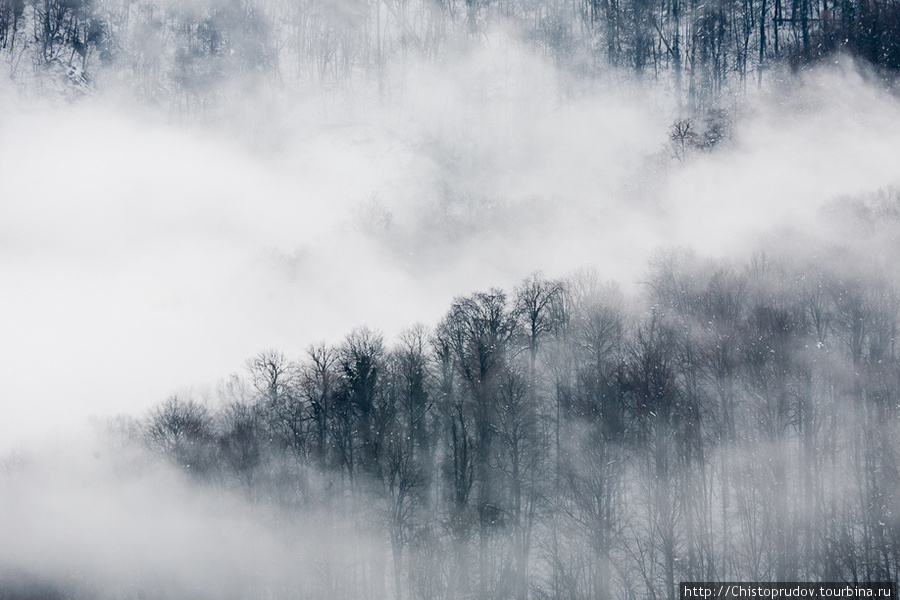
[[76, 516], [137, 258]]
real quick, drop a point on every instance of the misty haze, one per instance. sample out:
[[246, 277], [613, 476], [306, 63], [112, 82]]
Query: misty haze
[[447, 299]]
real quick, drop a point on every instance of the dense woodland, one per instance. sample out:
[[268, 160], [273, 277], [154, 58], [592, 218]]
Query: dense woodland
[[567, 438], [731, 420], [178, 53]]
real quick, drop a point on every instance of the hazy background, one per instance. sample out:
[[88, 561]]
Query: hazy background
[[139, 255], [185, 184]]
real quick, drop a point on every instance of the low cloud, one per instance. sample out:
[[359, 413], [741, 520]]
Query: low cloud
[[140, 257]]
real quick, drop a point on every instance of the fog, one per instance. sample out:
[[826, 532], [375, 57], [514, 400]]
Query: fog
[[141, 257], [81, 517], [145, 253]]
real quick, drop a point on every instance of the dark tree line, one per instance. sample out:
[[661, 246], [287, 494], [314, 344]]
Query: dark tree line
[[179, 53], [732, 421]]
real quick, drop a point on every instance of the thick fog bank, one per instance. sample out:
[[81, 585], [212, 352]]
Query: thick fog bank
[[94, 517], [563, 438], [139, 251]]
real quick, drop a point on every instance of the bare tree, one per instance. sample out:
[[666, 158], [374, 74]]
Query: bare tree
[[319, 381], [240, 441], [181, 430], [478, 329]]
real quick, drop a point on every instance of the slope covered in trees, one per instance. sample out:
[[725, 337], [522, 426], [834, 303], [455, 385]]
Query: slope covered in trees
[[566, 437], [183, 54], [733, 420]]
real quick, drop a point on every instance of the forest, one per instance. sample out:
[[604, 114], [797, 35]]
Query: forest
[[728, 410], [732, 420], [178, 54]]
